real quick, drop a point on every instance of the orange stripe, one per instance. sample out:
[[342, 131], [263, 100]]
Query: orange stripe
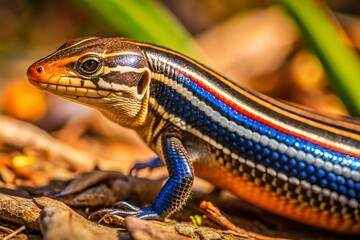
[[265, 199]]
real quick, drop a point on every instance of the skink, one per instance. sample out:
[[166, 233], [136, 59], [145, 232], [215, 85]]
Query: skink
[[302, 165]]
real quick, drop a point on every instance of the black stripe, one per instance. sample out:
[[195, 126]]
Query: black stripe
[[127, 78], [130, 60], [160, 61]]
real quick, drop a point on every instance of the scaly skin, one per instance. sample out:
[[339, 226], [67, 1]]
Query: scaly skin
[[295, 163]]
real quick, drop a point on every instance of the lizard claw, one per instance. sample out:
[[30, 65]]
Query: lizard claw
[[101, 213], [152, 164], [126, 206], [129, 210]]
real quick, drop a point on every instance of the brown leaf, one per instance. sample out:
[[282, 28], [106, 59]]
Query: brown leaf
[[88, 179], [141, 229], [57, 221], [20, 211], [96, 196], [121, 188]]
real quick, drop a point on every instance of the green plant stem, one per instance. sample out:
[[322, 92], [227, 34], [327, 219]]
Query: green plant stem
[[340, 63]]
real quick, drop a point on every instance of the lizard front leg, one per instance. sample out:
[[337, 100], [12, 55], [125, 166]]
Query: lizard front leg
[[176, 190]]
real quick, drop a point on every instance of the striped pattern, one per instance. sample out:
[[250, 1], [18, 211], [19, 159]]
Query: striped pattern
[[311, 167], [293, 162]]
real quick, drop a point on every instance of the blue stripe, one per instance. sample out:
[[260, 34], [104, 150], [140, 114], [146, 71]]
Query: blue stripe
[[299, 144], [175, 104]]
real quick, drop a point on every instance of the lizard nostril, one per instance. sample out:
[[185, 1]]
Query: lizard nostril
[[35, 72]]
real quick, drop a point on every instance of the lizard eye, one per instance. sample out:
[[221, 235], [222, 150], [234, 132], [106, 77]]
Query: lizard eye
[[88, 64]]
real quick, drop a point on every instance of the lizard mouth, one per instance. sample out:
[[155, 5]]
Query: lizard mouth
[[61, 81], [71, 91]]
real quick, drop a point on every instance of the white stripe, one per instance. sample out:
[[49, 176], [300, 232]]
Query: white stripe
[[293, 180], [123, 69], [281, 124], [241, 131]]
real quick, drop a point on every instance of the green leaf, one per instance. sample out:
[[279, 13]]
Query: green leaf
[[145, 20], [340, 63]]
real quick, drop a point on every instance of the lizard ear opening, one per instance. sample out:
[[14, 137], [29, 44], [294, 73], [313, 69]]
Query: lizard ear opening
[[144, 83]]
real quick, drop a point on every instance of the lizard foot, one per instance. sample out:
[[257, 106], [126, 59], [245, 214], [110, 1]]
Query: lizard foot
[[152, 164], [127, 210]]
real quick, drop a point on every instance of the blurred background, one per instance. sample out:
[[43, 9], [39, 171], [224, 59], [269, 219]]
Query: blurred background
[[261, 44]]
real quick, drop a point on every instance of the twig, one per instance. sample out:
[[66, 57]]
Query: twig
[[32, 136], [5, 229], [214, 213], [14, 233]]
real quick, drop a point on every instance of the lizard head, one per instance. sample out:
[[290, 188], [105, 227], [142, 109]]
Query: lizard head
[[110, 74]]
